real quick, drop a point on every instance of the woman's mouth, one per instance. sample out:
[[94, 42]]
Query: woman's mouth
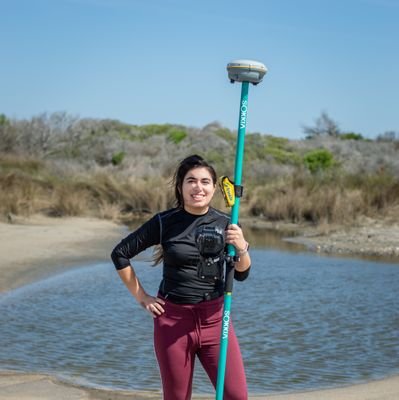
[[197, 197]]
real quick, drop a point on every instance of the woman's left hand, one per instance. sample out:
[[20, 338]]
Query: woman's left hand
[[234, 236]]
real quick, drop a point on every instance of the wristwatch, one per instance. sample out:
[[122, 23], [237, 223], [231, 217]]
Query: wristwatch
[[244, 250]]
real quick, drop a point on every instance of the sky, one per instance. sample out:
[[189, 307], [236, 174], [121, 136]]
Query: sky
[[164, 61]]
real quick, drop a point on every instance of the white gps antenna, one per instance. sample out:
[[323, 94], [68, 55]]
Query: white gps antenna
[[246, 71]]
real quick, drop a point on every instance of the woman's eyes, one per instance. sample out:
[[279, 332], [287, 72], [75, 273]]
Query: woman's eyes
[[204, 182]]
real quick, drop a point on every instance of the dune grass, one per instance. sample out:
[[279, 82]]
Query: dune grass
[[72, 167]]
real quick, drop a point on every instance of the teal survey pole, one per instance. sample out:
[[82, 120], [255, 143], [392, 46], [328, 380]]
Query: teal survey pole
[[245, 71]]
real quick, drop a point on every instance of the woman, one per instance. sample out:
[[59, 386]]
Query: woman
[[188, 308]]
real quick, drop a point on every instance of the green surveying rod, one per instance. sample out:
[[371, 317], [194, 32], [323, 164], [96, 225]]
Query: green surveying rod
[[245, 71]]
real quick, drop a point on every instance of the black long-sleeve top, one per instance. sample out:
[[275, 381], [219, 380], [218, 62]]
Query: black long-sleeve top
[[175, 230]]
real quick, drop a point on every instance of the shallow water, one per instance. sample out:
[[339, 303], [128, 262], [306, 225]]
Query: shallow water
[[304, 321]]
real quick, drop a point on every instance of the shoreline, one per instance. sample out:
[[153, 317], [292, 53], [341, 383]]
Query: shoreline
[[369, 238], [34, 386], [38, 247]]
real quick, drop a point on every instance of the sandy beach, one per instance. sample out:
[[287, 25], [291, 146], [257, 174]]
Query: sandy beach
[[39, 247]]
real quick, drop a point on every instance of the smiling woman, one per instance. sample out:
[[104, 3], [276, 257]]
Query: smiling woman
[[197, 191], [191, 290], [194, 177]]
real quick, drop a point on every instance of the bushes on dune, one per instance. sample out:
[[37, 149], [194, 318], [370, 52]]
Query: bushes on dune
[[62, 165]]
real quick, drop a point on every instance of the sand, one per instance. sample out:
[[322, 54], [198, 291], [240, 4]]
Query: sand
[[36, 248]]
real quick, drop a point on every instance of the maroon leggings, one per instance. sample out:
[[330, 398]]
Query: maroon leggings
[[188, 330]]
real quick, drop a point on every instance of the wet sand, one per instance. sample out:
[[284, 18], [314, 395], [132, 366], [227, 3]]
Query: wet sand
[[36, 248]]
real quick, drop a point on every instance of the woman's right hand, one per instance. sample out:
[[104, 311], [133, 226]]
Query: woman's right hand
[[153, 305]]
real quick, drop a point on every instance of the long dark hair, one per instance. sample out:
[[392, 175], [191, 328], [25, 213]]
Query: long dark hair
[[186, 165], [190, 162]]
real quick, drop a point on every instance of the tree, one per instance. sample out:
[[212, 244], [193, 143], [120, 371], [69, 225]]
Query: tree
[[324, 126], [3, 120], [388, 136], [8, 137]]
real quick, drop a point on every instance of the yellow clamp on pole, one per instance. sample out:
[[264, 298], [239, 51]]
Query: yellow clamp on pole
[[228, 191]]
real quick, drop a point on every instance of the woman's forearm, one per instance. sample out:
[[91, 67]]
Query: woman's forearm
[[243, 263], [131, 281]]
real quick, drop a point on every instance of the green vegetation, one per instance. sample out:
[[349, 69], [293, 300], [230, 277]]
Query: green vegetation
[[176, 136], [118, 157], [57, 164], [3, 120], [318, 160], [351, 136]]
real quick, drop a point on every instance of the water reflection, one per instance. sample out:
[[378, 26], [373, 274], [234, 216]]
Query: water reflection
[[272, 239]]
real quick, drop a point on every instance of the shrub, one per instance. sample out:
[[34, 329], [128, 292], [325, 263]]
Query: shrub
[[318, 160], [226, 134], [176, 136], [351, 136], [117, 158]]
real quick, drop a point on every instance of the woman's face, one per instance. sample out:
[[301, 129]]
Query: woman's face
[[198, 189]]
